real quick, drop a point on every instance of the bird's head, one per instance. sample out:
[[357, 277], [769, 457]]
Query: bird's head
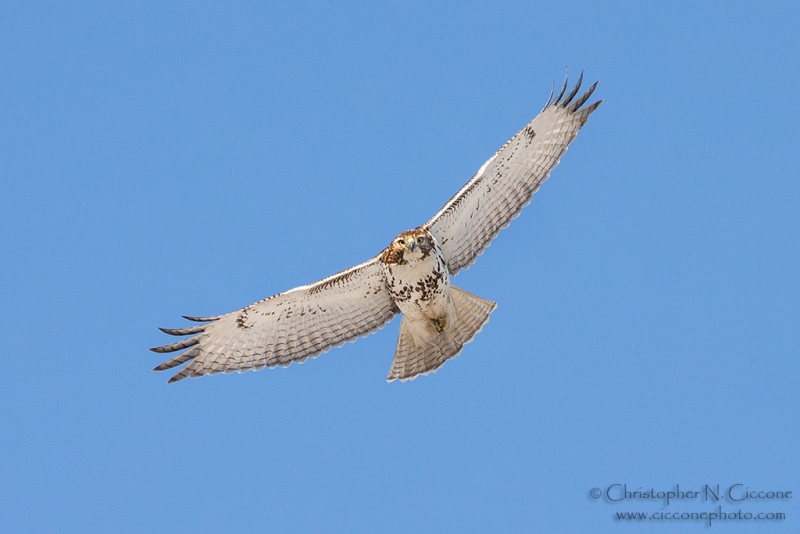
[[409, 246]]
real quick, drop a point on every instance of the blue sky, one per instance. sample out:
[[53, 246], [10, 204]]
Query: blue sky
[[160, 159]]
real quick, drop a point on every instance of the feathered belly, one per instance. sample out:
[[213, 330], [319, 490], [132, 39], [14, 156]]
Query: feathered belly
[[420, 289]]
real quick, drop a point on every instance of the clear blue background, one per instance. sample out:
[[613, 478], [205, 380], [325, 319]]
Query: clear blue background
[[159, 160]]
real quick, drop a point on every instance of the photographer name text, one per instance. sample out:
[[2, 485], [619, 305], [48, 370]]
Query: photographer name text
[[708, 492]]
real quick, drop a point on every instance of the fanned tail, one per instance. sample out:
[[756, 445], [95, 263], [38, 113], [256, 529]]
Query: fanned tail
[[411, 359]]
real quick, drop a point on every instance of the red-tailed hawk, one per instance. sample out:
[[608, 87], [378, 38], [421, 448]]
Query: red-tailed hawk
[[412, 275]]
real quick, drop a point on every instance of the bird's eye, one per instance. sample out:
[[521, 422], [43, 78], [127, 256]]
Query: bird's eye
[[401, 241]]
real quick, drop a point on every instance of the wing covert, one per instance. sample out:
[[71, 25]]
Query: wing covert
[[287, 327], [506, 182]]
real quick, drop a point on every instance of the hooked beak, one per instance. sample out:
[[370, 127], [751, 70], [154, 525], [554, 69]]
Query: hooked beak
[[411, 244]]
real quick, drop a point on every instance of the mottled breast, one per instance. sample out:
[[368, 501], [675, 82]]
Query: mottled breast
[[416, 275]]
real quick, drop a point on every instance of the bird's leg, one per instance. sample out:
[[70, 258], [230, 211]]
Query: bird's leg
[[439, 324]]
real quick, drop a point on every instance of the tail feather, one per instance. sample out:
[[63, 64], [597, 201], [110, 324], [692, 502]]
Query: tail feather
[[428, 353]]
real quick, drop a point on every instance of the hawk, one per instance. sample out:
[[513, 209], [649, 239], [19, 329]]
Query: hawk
[[410, 276]]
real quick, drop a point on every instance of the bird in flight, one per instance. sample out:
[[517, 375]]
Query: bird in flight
[[411, 276]]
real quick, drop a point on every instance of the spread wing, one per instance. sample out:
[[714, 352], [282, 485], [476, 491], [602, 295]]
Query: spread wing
[[285, 328], [504, 184]]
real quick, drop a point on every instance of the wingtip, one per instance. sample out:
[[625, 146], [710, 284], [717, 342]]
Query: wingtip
[[561, 91], [200, 319], [591, 107], [180, 375], [180, 345], [183, 331], [573, 91], [550, 97], [565, 99], [583, 98], [164, 366]]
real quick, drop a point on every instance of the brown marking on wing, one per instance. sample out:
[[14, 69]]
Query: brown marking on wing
[[241, 321], [529, 132], [335, 281]]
